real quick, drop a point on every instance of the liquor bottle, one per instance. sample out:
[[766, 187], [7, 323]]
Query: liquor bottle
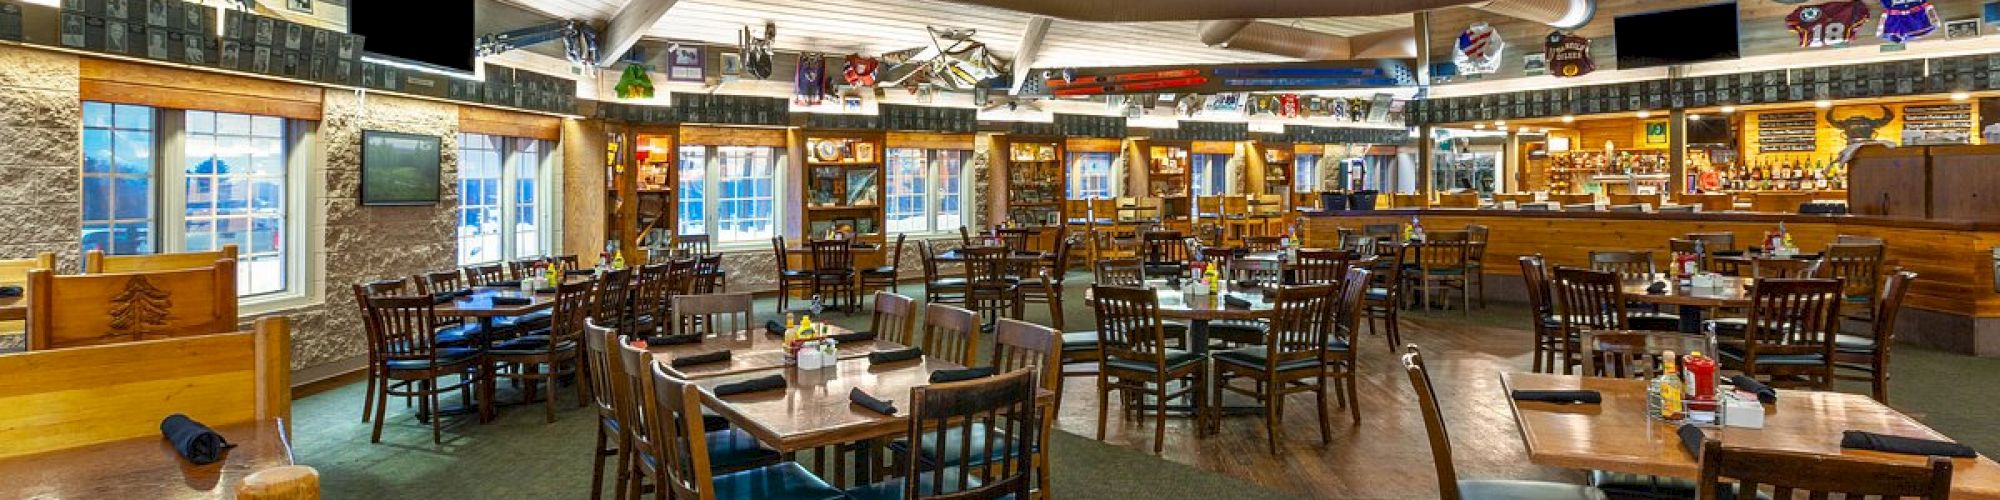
[[1416, 229], [1663, 396]]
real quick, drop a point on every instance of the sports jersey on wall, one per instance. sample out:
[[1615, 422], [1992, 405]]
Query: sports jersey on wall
[[1830, 24], [1479, 50], [1905, 20], [1569, 55]]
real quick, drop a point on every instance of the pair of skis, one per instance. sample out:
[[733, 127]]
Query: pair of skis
[[1127, 83], [1154, 81]]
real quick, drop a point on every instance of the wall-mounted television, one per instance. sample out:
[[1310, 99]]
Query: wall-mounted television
[[1709, 130], [1668, 37], [400, 169], [436, 34]]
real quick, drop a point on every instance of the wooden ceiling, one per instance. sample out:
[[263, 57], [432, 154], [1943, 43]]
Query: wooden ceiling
[[876, 26]]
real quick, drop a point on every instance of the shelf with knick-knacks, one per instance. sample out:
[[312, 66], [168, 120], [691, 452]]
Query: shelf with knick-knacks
[[843, 182], [1035, 179]]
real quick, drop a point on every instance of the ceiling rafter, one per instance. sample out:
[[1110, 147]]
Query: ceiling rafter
[[629, 25], [1030, 47]]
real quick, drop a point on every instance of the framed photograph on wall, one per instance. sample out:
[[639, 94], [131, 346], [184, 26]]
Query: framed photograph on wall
[[301, 6], [1961, 29], [732, 66], [684, 63]]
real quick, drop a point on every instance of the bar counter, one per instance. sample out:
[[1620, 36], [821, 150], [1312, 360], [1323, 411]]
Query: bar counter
[[1952, 305]]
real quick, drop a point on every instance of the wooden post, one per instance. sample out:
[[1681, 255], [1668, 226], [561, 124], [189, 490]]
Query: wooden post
[[1677, 170], [1426, 157]]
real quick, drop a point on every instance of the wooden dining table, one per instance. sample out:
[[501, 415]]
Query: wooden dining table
[[752, 351], [1692, 302], [146, 467], [1617, 436], [1200, 310], [479, 307]]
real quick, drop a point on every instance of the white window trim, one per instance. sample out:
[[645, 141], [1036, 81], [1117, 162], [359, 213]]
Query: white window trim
[[170, 211], [934, 196], [711, 189], [510, 154], [1074, 175]]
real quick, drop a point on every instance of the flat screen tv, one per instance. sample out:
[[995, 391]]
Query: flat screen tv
[[1709, 130], [437, 34], [1668, 37], [399, 169]]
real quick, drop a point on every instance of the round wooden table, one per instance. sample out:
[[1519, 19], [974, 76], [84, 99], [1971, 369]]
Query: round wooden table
[[1733, 292], [1198, 311]]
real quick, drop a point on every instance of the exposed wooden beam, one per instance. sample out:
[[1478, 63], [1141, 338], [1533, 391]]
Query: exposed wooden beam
[[1031, 45], [627, 26]]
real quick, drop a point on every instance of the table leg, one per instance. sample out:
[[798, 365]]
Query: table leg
[[1690, 319], [487, 372]]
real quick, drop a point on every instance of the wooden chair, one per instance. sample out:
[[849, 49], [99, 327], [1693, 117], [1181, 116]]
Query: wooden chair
[[1166, 254], [650, 291], [14, 273], [1018, 346], [691, 245], [485, 275], [895, 319], [1316, 271], [889, 275], [1121, 272], [1343, 356], [833, 270], [939, 288], [1136, 361], [1004, 408], [1264, 243], [1550, 337], [613, 305], [96, 262], [363, 292], [1772, 267], [1637, 354], [1475, 259], [671, 440], [439, 282], [789, 280], [1793, 474], [560, 350], [599, 363], [1292, 359], [1018, 239], [1450, 487], [952, 334], [992, 286], [521, 269], [1385, 296], [1627, 264], [79, 397], [1049, 289], [106, 308], [1870, 355], [1458, 200], [1859, 266], [1586, 300], [1441, 266], [409, 353], [712, 315], [1789, 333], [289, 482], [709, 275]]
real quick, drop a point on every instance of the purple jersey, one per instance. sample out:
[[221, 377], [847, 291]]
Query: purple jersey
[[1905, 20]]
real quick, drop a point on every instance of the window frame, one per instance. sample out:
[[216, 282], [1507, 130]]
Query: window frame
[[711, 198], [932, 195], [1301, 181], [512, 154], [1078, 178], [1210, 177]]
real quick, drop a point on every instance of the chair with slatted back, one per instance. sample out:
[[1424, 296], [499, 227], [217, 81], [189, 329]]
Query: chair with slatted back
[[709, 275], [894, 319], [1137, 363], [14, 276], [599, 364], [650, 290], [97, 262], [553, 353], [1700, 251], [711, 315], [1792, 475], [938, 287], [1018, 239], [1450, 487], [1165, 254], [524, 268], [833, 270], [1018, 346], [1636, 353], [951, 333], [1777, 268], [1385, 296], [1049, 290], [1636, 265], [1441, 268], [412, 362], [613, 305], [1342, 354], [1264, 243], [889, 275], [1790, 333], [1317, 267], [1586, 300], [1859, 265], [363, 292], [1870, 355], [991, 287], [1004, 405], [1107, 245], [1359, 245], [1549, 337], [666, 423], [789, 280], [95, 309], [1291, 359], [1475, 260], [439, 282], [485, 275]]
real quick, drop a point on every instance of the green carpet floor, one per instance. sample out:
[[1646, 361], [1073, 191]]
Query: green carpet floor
[[520, 456]]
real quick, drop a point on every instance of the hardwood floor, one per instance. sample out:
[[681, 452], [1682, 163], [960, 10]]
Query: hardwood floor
[[1387, 455]]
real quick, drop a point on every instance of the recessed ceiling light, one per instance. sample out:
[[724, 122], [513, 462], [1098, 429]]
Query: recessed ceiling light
[[1960, 96], [1568, 118], [1694, 117], [1645, 114], [1479, 126], [1501, 128], [1499, 123], [1728, 109], [1822, 103]]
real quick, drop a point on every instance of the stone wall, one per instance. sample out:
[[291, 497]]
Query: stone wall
[[41, 153]]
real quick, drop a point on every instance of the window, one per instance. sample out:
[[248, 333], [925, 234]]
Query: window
[[498, 219], [924, 189], [729, 192], [1090, 176], [1210, 174], [118, 197], [225, 181], [1305, 173], [236, 194]]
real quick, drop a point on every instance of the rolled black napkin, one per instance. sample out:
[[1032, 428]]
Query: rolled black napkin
[[504, 284], [702, 359], [1726, 253], [877, 358], [546, 290], [512, 301], [1765, 394], [462, 293], [1563, 397], [1234, 301], [664, 340], [774, 327], [943, 376], [1657, 288], [753, 385], [441, 298], [852, 337], [1691, 438], [862, 398], [1861, 440], [196, 442], [580, 272], [10, 291]]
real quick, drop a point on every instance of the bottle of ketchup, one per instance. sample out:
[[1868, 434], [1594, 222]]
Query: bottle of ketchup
[[1701, 381]]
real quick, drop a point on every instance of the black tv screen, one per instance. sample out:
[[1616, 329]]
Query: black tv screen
[[434, 33], [1668, 37], [1709, 130], [399, 169]]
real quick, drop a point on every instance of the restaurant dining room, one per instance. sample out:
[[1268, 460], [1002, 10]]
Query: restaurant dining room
[[999, 249]]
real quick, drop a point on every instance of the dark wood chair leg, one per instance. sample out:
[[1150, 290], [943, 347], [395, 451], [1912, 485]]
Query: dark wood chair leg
[[380, 409], [597, 464], [368, 402]]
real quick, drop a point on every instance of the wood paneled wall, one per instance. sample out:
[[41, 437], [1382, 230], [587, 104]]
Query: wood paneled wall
[[478, 120], [134, 83]]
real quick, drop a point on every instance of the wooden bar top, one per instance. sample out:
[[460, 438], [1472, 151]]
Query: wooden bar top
[[1730, 216], [146, 467]]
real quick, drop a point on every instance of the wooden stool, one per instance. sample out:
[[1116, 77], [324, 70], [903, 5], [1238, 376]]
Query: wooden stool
[[291, 482]]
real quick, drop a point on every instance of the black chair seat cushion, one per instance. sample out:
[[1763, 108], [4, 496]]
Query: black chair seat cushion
[[884, 271], [446, 356], [1079, 341], [1525, 490], [1734, 353], [1257, 356], [794, 275], [1853, 343], [734, 449], [528, 346], [1164, 269], [1624, 485], [1241, 332], [1377, 294], [460, 334], [1337, 344], [893, 488], [1176, 359], [786, 480], [947, 283], [951, 455], [531, 320]]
